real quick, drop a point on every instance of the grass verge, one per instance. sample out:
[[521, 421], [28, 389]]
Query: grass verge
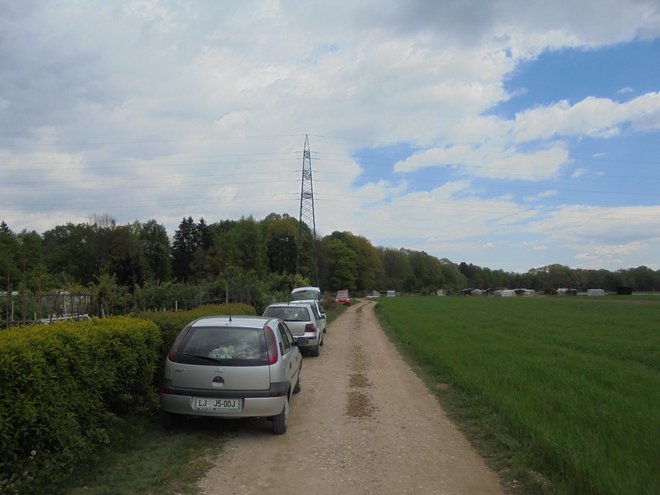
[[153, 461]]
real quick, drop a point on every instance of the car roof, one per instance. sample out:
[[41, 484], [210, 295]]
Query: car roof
[[241, 321], [301, 289], [285, 304]]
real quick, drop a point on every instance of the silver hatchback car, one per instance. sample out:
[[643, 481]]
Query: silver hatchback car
[[232, 367]]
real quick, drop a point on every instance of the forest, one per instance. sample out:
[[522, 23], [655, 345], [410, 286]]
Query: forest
[[99, 267]]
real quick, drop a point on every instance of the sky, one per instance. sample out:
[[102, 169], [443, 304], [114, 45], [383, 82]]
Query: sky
[[511, 134]]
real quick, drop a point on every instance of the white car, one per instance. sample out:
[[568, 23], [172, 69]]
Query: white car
[[310, 295], [301, 320], [306, 294], [232, 367]]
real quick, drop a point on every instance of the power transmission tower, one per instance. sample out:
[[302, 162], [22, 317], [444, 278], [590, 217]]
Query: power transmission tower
[[307, 215]]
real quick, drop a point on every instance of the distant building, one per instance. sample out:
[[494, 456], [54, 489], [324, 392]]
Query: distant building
[[506, 293]]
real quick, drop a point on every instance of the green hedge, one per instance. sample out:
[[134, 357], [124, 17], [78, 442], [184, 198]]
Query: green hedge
[[63, 388]]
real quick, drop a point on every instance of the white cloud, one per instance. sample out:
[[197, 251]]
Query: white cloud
[[498, 153], [540, 196], [592, 117], [579, 172], [590, 225], [493, 161]]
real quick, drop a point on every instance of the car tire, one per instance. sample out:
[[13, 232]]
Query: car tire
[[281, 421], [316, 352], [298, 386]]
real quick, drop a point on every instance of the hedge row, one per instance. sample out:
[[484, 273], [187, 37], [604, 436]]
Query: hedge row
[[63, 388]]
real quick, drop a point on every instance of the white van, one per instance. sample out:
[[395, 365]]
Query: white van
[[306, 294], [311, 295]]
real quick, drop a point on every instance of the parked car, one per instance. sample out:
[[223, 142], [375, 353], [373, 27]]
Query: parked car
[[306, 294], [232, 367], [319, 312], [343, 298], [302, 322]]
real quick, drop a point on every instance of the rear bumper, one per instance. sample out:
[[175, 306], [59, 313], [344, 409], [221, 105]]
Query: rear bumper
[[251, 408], [259, 403], [314, 338]]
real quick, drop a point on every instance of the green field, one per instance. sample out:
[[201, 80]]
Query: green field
[[573, 382]]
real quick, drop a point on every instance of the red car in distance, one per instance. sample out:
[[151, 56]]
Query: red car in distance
[[343, 298]]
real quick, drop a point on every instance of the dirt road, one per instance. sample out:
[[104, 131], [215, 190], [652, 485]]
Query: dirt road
[[364, 423]]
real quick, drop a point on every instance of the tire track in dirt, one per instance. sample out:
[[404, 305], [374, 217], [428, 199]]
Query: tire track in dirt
[[359, 403]]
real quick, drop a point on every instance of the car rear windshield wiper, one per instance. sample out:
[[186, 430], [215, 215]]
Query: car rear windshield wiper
[[202, 356]]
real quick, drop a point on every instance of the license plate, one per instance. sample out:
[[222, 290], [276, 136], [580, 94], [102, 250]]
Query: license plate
[[213, 405]]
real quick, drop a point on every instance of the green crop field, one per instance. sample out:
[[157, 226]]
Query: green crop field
[[574, 380]]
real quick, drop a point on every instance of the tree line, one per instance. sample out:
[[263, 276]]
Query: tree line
[[137, 266]]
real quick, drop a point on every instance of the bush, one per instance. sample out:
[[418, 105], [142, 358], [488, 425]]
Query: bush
[[63, 388]]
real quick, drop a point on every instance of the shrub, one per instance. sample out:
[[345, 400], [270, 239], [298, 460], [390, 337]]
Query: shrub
[[62, 389]]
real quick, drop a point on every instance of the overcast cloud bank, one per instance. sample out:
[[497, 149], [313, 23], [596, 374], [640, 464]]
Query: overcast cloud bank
[[165, 109]]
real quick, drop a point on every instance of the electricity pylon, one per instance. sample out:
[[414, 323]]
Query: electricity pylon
[[307, 214]]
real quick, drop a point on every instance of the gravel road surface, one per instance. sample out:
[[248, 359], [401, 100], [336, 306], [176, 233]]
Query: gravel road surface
[[364, 423]]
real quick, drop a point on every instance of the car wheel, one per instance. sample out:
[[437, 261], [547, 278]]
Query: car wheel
[[281, 421], [298, 386], [316, 352]]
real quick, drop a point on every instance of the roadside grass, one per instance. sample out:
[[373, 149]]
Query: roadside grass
[[333, 311], [154, 461], [561, 393]]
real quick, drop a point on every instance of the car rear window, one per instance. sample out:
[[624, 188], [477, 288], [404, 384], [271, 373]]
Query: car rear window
[[288, 313], [305, 295], [223, 345]]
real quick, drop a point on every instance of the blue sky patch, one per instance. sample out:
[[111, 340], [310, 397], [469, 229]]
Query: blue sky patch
[[619, 72]]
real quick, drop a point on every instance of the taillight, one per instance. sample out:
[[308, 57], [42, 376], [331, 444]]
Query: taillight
[[310, 327], [165, 387], [175, 346], [271, 345]]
